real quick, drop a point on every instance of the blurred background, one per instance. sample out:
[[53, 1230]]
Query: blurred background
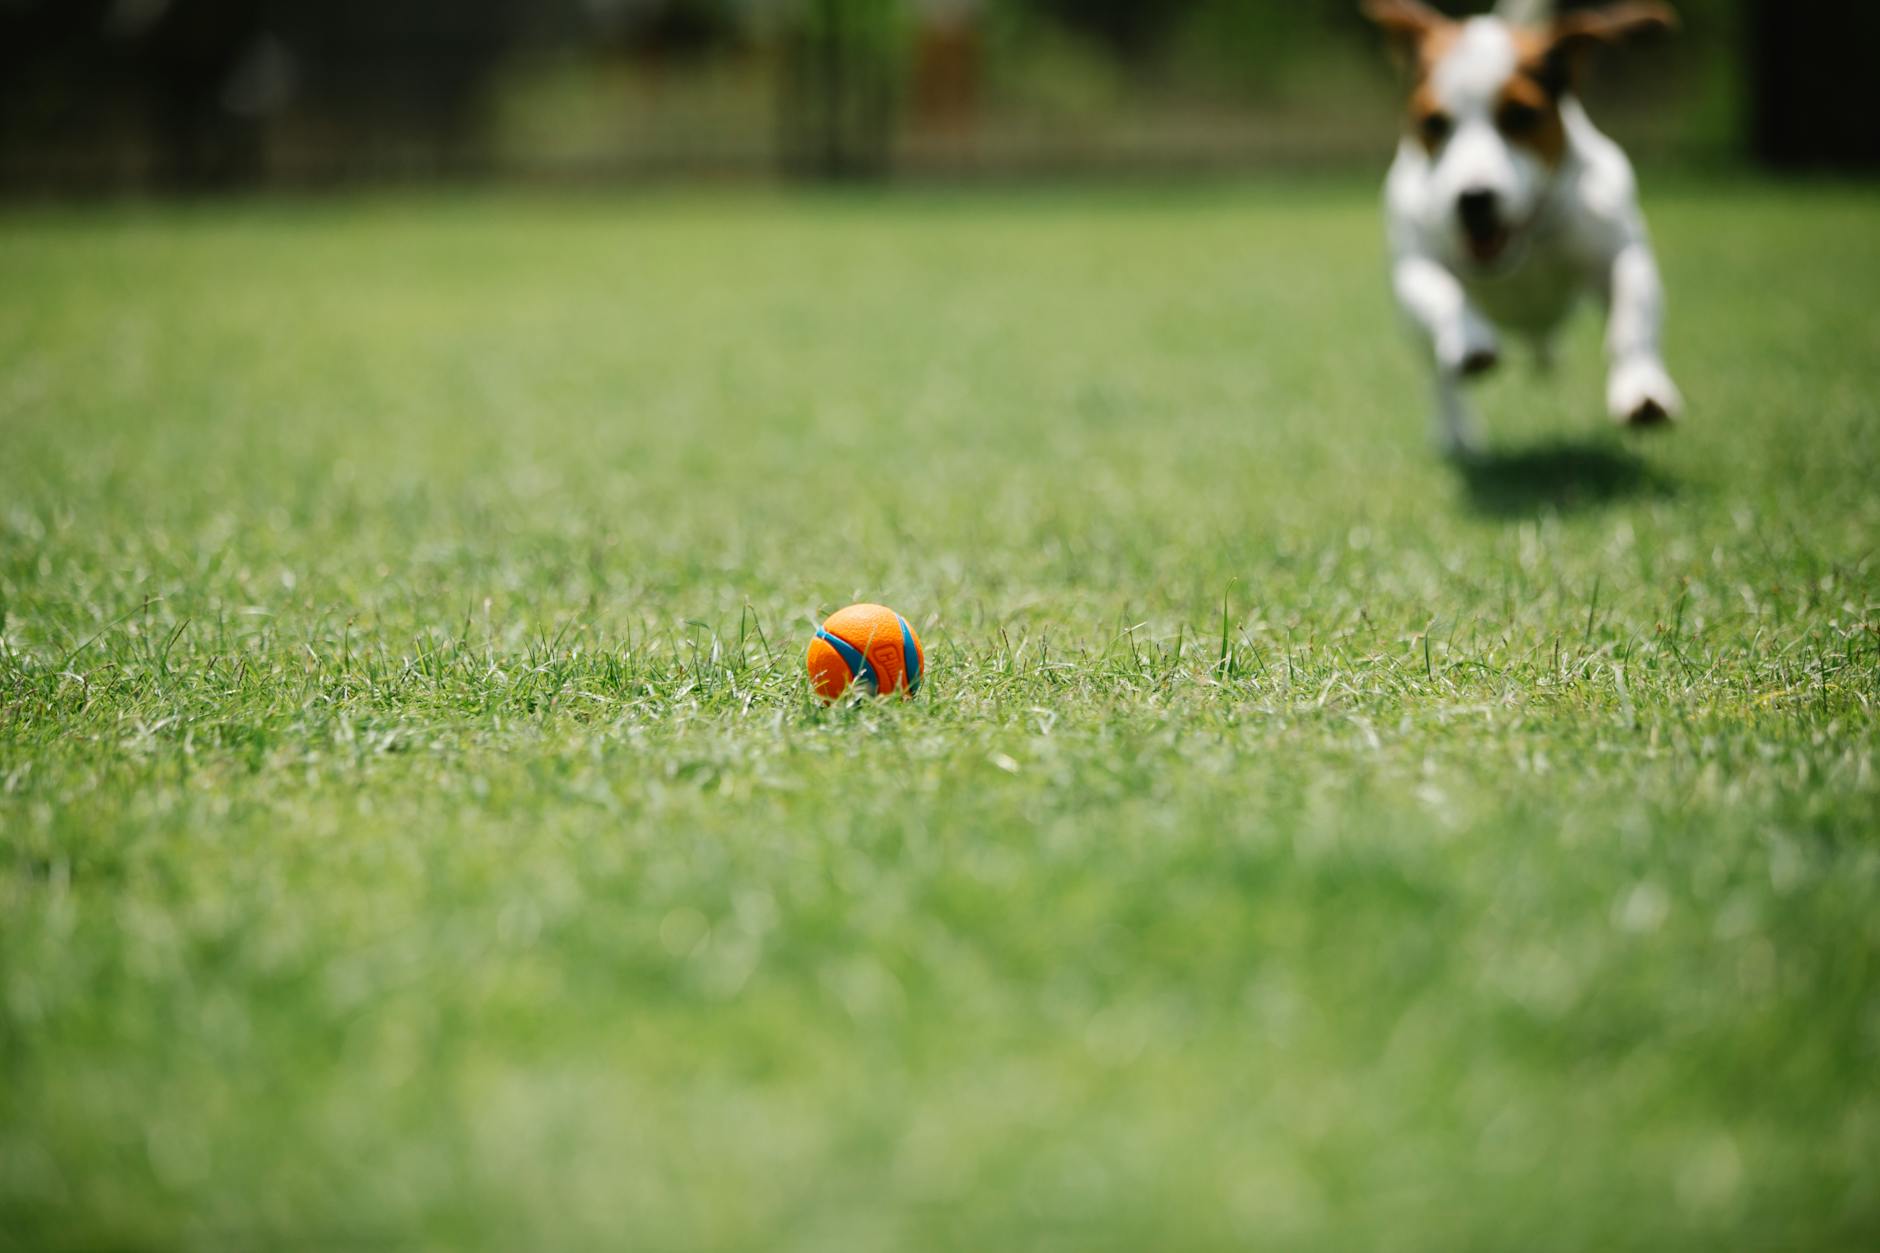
[[127, 96]]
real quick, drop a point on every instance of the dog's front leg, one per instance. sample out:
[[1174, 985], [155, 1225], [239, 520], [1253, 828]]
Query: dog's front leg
[[1461, 342], [1639, 391]]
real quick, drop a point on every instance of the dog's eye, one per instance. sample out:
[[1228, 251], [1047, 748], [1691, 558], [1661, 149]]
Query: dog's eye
[[1518, 119], [1436, 128]]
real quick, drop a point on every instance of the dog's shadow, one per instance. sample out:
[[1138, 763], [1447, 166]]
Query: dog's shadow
[[1560, 475]]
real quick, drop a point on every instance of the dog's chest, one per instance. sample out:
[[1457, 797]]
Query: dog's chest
[[1536, 295]]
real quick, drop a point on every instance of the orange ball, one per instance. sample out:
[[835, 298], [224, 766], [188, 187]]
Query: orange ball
[[870, 646]]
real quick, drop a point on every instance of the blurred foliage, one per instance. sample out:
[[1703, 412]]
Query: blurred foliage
[[841, 82], [198, 92]]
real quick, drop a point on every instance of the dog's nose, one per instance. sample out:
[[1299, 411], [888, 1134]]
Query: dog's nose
[[1480, 210]]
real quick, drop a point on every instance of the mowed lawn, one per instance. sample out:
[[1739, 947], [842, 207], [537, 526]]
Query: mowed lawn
[[415, 830]]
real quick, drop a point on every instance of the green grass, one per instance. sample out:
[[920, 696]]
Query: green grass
[[416, 831]]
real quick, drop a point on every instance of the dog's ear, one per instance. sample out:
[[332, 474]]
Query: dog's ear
[[1576, 34], [1409, 23], [1606, 25], [1610, 23]]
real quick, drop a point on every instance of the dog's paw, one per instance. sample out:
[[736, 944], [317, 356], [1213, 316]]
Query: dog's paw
[[1640, 394], [1471, 350], [1481, 361]]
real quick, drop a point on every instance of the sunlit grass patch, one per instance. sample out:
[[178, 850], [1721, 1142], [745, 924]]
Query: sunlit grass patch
[[417, 829]]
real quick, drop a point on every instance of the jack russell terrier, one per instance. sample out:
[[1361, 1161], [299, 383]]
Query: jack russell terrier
[[1506, 205]]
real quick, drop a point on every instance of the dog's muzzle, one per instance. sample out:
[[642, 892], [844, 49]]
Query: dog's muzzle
[[1483, 226]]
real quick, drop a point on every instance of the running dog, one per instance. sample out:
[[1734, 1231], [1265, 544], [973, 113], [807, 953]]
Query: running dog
[[1507, 207]]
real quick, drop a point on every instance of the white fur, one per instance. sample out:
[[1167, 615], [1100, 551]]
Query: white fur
[[1576, 229]]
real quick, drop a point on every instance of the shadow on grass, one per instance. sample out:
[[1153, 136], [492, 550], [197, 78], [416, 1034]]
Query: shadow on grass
[[1562, 474]]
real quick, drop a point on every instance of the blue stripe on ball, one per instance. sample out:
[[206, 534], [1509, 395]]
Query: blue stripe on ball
[[851, 656], [910, 655]]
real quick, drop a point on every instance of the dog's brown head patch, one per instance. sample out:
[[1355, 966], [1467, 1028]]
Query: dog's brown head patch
[[1548, 62], [1528, 112], [1422, 37]]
